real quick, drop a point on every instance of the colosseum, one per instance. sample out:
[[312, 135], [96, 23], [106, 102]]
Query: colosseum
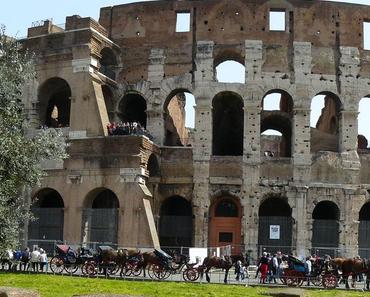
[[223, 182]]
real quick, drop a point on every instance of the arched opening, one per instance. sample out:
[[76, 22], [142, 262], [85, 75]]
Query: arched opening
[[179, 118], [230, 71], [227, 124], [109, 102], [100, 217], [324, 121], [275, 225], [54, 103], [325, 228], [276, 124], [225, 223], [48, 211], [132, 108], [364, 231], [153, 166], [108, 63], [364, 125], [176, 223]]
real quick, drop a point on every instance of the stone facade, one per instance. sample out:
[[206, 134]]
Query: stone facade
[[319, 52]]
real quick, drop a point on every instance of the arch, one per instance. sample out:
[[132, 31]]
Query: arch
[[364, 231], [275, 224], [132, 108], [325, 228], [100, 217], [363, 124], [48, 210], [230, 71], [176, 222], [227, 124], [283, 101], [54, 103], [225, 223], [280, 146], [325, 116], [177, 114], [108, 63], [153, 166]]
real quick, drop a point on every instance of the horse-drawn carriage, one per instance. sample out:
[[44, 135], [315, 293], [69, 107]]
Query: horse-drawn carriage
[[68, 259]]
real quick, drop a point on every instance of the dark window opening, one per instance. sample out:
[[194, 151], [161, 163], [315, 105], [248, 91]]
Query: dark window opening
[[176, 222], [326, 210], [274, 207], [109, 102], [105, 199], [132, 108], [365, 212], [108, 63], [228, 125], [225, 237], [153, 166], [226, 208], [55, 103]]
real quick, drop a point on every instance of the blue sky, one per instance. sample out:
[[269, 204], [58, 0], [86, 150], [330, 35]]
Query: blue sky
[[18, 15]]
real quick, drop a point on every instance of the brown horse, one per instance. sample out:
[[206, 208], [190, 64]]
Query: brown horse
[[225, 262], [349, 267], [174, 263]]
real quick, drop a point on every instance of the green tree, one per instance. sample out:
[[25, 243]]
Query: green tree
[[20, 155]]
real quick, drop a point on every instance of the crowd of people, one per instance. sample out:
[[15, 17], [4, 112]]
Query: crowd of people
[[26, 260], [127, 128]]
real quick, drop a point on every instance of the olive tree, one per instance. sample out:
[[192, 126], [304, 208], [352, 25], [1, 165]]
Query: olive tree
[[20, 155]]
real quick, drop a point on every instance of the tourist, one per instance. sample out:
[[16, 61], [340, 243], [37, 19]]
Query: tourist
[[43, 260], [35, 258]]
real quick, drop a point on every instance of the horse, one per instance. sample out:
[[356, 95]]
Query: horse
[[151, 258], [350, 266], [225, 262]]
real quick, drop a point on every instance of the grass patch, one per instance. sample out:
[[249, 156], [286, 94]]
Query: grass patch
[[65, 286]]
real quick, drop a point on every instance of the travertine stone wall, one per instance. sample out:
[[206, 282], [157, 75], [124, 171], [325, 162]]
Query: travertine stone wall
[[320, 51]]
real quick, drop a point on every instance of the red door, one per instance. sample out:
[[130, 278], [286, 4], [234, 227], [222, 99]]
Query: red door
[[225, 224]]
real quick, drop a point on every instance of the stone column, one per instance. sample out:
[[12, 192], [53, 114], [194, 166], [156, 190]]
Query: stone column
[[155, 123], [299, 223], [301, 139]]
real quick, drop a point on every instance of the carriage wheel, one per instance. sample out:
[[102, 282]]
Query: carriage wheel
[[112, 269], [190, 274], [71, 268], [90, 269], [150, 271], [316, 280], [159, 272], [136, 270], [56, 264], [329, 281]]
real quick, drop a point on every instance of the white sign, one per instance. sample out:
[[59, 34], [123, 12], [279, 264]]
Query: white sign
[[197, 255], [274, 231]]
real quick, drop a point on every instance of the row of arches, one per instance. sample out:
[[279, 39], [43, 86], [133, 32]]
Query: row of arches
[[227, 117], [176, 221]]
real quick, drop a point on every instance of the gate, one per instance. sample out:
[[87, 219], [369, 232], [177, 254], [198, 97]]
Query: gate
[[176, 230], [364, 239], [100, 225], [325, 235], [275, 231], [47, 226]]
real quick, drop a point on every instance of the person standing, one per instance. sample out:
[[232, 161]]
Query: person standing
[[264, 267], [308, 269], [35, 258], [25, 258], [43, 260]]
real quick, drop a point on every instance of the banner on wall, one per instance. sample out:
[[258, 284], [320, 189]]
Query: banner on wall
[[274, 231]]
